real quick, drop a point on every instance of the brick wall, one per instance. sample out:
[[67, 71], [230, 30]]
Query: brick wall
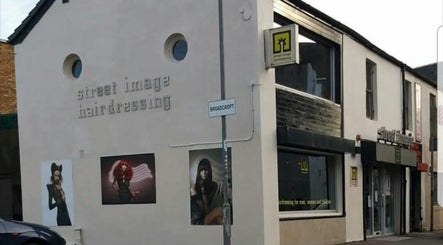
[[8, 98]]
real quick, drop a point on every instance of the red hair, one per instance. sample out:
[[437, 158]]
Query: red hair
[[120, 174]]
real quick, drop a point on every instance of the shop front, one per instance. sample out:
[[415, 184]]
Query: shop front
[[386, 166], [311, 186]]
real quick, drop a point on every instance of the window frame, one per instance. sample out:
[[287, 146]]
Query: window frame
[[418, 113], [371, 90], [408, 105], [433, 114], [317, 35], [339, 183]]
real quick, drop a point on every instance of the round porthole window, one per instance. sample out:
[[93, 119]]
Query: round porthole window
[[77, 68], [72, 66], [176, 47], [180, 49]]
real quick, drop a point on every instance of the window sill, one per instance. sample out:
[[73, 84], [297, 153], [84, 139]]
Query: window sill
[[310, 215]]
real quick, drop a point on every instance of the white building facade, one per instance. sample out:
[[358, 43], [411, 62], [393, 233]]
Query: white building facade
[[102, 84]]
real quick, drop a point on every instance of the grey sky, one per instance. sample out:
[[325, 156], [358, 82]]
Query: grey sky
[[12, 13], [405, 29]]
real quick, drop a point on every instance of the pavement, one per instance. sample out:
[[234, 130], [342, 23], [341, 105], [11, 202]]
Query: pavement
[[415, 238]]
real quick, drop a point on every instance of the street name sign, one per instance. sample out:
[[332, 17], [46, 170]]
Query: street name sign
[[221, 108]]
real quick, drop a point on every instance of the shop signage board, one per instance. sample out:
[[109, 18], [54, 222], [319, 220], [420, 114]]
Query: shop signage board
[[354, 176], [281, 45], [397, 148], [394, 137]]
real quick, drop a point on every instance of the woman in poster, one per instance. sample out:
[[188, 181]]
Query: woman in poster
[[56, 193], [123, 173], [206, 197]]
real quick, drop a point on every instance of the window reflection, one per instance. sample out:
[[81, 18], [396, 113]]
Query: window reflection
[[317, 70], [307, 182]]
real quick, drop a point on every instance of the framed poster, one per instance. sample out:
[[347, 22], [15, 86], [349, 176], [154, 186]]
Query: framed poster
[[57, 193], [128, 179], [207, 172]]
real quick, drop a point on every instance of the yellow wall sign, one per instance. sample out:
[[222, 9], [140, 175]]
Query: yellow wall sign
[[354, 176], [282, 42], [281, 45]]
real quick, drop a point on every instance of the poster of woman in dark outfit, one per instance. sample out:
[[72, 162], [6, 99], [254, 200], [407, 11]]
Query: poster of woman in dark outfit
[[206, 197], [57, 197], [206, 176]]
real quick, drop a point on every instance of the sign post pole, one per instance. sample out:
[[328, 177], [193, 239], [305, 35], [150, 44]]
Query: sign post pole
[[226, 205]]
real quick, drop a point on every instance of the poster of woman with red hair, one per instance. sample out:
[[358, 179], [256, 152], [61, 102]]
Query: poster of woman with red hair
[[128, 179]]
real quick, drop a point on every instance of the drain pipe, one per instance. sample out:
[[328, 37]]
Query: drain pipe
[[403, 174], [431, 169], [403, 85]]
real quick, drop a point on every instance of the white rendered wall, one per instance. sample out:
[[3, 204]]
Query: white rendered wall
[[389, 92], [389, 114], [426, 90], [117, 40]]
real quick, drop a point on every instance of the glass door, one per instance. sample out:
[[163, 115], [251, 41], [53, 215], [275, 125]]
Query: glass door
[[377, 205], [368, 193], [379, 210], [388, 209]]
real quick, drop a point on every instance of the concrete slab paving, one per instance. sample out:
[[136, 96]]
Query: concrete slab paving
[[415, 238]]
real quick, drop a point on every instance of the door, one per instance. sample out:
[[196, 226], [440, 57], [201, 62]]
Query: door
[[379, 210], [377, 202], [415, 201], [388, 202]]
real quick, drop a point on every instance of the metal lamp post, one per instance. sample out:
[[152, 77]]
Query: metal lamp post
[[226, 205]]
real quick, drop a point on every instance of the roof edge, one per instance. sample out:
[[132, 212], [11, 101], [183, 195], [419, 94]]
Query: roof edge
[[22, 31], [30, 21]]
